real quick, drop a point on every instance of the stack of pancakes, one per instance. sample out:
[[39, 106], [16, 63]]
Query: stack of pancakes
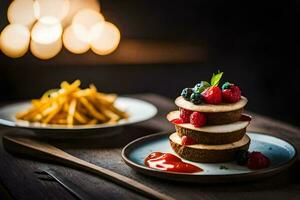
[[223, 135]]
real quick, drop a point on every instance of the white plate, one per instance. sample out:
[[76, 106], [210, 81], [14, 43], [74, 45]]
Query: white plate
[[137, 110]]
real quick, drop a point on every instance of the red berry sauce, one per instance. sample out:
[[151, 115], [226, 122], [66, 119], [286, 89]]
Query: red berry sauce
[[177, 121], [169, 162]]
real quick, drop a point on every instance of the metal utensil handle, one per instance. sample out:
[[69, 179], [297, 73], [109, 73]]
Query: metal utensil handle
[[71, 187], [34, 147]]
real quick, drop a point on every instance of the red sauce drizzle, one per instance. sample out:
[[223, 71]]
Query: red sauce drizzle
[[169, 162], [177, 121]]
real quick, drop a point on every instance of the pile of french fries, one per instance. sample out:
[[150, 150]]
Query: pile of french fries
[[71, 105]]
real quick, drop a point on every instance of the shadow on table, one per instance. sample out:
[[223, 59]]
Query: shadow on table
[[117, 139]]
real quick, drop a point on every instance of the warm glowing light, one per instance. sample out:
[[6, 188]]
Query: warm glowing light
[[73, 43], [46, 30], [43, 22], [21, 12], [105, 38], [77, 5], [15, 40], [44, 51], [51, 8], [84, 21], [46, 38]]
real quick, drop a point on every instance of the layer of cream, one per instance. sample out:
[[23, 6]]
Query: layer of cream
[[224, 128], [245, 140], [224, 107]]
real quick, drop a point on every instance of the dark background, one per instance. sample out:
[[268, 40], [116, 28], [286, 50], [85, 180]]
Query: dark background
[[169, 45]]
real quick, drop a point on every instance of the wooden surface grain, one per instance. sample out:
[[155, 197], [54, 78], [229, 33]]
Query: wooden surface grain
[[18, 179]]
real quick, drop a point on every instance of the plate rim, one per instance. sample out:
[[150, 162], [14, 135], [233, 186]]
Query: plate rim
[[10, 123], [208, 178]]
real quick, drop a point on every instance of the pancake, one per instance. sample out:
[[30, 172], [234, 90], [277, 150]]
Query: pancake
[[216, 114], [213, 134], [208, 153]]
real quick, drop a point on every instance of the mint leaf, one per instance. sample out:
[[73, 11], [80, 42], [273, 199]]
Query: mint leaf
[[200, 87], [215, 79]]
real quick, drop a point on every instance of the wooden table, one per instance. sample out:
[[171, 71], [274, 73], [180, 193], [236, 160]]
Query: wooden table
[[19, 182]]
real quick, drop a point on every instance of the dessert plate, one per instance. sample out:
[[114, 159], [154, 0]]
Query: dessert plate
[[137, 110], [281, 153]]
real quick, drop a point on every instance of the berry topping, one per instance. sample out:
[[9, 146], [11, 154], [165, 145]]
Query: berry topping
[[185, 115], [177, 121], [215, 79], [242, 157], [196, 98], [200, 87], [257, 160], [209, 92], [231, 93], [212, 95], [226, 85], [185, 140], [186, 93], [197, 119]]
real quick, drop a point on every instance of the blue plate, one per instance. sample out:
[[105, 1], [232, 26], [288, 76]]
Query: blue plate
[[281, 153]]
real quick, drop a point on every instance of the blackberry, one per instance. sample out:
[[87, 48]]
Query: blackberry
[[186, 93], [200, 87], [242, 157], [196, 98]]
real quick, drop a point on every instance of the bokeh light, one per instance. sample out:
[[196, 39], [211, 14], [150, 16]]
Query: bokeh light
[[51, 8], [15, 40], [76, 24], [21, 12], [105, 38], [46, 38], [76, 6], [73, 43], [84, 21]]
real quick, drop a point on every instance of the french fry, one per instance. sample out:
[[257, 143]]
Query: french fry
[[51, 115], [92, 110], [71, 105], [71, 112], [80, 118], [93, 121]]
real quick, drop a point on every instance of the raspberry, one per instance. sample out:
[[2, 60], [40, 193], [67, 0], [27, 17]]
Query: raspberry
[[212, 95], [232, 94], [185, 115], [198, 119], [257, 160], [185, 140]]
